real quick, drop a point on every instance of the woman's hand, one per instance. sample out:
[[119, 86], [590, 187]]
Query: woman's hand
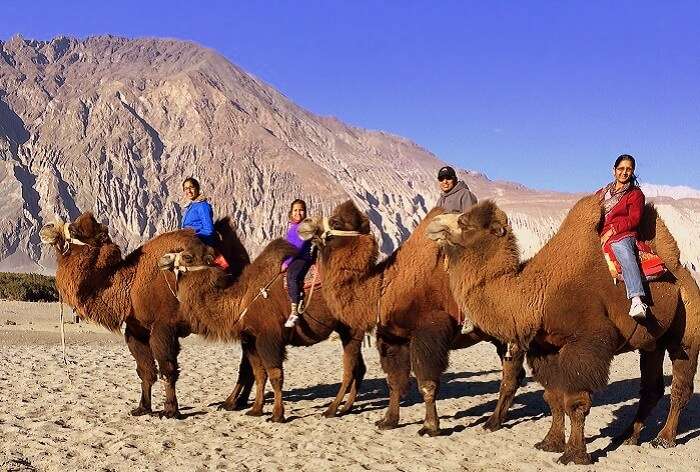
[[607, 235]]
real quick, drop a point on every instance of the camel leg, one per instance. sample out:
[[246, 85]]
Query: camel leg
[[359, 370], [353, 371], [577, 405], [651, 364], [238, 399], [166, 346], [554, 441], [395, 359], [430, 346], [145, 368], [271, 352], [685, 364], [511, 378], [260, 382]]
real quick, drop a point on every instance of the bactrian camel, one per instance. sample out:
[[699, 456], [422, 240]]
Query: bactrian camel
[[407, 298], [563, 307], [253, 310]]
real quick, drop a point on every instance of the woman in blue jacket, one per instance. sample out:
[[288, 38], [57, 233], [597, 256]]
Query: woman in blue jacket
[[198, 213]]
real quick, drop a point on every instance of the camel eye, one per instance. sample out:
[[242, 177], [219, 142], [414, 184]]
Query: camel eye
[[187, 258], [335, 223]]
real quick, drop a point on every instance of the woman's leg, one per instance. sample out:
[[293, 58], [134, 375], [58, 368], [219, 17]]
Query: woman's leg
[[626, 253]]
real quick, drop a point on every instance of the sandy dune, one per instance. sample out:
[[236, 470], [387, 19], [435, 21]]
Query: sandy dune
[[48, 422]]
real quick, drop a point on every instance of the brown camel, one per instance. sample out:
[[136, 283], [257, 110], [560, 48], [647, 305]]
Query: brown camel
[[564, 307], [103, 287], [407, 298], [253, 310]]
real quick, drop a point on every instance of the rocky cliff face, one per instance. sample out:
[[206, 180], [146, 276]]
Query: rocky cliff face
[[113, 125]]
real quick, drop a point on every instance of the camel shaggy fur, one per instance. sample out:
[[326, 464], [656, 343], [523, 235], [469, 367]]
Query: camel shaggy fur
[[407, 298], [239, 311], [563, 307]]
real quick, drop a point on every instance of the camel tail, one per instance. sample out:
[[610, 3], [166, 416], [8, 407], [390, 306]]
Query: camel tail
[[581, 365]]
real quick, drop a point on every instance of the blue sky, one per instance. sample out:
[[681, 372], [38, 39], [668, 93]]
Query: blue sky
[[544, 93]]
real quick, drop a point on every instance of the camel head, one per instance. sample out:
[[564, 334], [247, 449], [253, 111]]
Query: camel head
[[346, 220], [477, 229], [84, 231], [195, 257]]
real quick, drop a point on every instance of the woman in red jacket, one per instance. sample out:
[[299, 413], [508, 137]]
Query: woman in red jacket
[[623, 204]]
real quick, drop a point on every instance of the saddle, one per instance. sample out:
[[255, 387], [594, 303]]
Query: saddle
[[312, 279], [652, 265]]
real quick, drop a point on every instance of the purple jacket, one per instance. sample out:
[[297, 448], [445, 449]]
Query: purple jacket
[[304, 247]]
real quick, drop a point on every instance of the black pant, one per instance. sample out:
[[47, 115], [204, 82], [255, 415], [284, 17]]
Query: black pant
[[296, 272]]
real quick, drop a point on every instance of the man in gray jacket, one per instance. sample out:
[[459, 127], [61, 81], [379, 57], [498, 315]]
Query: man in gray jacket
[[455, 198]]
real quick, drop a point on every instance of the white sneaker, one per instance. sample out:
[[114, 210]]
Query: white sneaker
[[638, 310], [291, 321]]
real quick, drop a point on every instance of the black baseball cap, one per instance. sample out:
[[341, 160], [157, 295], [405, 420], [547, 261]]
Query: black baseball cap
[[447, 172]]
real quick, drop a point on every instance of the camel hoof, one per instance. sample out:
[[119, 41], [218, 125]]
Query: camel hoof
[[630, 441], [663, 443], [492, 424], [235, 406], [140, 411], [174, 414], [254, 412], [329, 413], [550, 446], [430, 431], [277, 419], [577, 457], [385, 424]]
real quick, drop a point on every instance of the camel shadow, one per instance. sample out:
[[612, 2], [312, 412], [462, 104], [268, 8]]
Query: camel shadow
[[374, 392], [688, 426]]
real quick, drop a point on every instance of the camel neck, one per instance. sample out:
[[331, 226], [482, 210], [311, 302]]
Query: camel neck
[[91, 280]]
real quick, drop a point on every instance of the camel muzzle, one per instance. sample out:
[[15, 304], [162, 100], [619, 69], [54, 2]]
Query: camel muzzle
[[167, 261], [443, 227], [49, 234]]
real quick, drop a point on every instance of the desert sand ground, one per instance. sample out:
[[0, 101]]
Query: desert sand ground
[[51, 423]]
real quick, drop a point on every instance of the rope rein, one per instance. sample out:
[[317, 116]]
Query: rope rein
[[63, 341]]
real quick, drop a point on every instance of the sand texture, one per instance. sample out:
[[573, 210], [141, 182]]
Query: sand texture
[[50, 422]]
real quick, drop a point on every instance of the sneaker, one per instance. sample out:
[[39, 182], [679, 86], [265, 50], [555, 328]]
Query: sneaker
[[291, 321], [638, 310], [467, 326]]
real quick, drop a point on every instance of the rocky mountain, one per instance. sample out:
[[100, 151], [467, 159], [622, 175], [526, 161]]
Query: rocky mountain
[[113, 125]]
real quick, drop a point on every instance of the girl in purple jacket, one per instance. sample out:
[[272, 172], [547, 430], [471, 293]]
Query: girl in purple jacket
[[297, 266]]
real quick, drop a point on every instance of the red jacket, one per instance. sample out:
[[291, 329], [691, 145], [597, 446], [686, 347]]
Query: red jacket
[[624, 217]]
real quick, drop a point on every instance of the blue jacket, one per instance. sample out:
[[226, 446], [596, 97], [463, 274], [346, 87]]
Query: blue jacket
[[200, 217]]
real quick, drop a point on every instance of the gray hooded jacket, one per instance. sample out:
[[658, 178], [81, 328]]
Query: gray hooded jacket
[[457, 200]]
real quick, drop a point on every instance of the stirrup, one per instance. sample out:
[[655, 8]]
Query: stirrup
[[301, 307]]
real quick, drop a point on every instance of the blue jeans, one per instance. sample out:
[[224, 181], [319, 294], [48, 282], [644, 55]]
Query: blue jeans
[[626, 253]]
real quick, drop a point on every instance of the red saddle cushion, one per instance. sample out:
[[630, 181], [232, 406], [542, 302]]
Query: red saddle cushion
[[652, 265]]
